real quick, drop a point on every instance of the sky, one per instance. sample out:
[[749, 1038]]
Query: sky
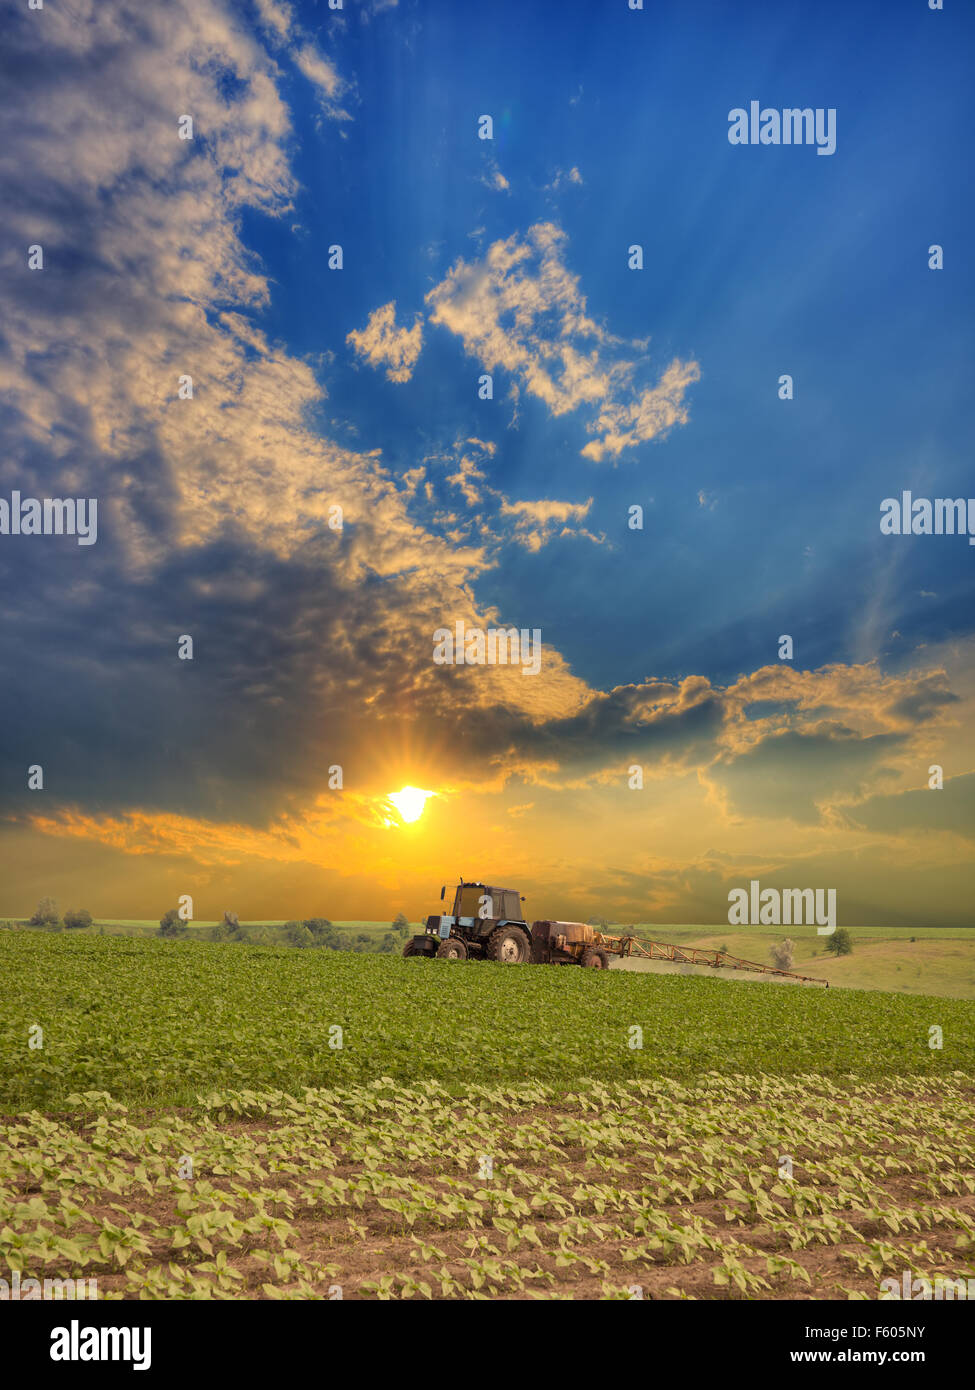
[[256, 775]]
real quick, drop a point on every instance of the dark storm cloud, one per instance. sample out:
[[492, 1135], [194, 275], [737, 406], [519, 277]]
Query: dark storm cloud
[[654, 721]]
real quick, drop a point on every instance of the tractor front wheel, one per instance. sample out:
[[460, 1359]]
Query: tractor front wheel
[[594, 958], [509, 945], [417, 947], [452, 949]]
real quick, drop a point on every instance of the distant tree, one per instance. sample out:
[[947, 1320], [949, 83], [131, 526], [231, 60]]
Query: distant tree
[[227, 929], [321, 929], [599, 922], [297, 934], [47, 914], [401, 924], [77, 919], [314, 931], [171, 925], [783, 954], [389, 944], [840, 943]]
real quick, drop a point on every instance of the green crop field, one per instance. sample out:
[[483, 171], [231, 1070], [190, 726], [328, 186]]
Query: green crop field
[[153, 1022], [204, 1120], [898, 960]]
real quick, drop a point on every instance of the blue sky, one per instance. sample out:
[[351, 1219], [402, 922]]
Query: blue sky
[[759, 261]]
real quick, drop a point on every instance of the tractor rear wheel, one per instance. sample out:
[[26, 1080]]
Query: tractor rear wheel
[[509, 945], [452, 949], [594, 958]]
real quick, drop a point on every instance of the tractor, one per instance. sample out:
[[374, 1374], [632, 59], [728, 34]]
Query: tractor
[[484, 922], [489, 924]]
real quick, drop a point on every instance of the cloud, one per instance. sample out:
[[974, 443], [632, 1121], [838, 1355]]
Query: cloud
[[494, 179], [293, 836], [537, 522], [562, 177], [277, 19], [499, 520], [467, 478], [769, 745], [795, 773], [545, 512], [214, 511], [319, 71], [382, 342], [276, 16], [875, 700], [947, 811], [521, 309]]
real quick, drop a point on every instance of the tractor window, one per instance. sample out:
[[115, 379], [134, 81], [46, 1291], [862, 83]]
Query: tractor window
[[511, 906], [468, 900]]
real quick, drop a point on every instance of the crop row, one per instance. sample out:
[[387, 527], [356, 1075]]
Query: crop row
[[720, 1187]]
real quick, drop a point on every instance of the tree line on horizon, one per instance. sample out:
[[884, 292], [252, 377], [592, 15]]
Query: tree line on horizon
[[320, 932], [311, 932]]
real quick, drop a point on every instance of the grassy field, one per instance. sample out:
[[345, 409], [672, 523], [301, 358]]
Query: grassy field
[[219, 1121], [935, 961]]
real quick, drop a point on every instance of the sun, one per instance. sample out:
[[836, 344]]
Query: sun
[[410, 802]]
